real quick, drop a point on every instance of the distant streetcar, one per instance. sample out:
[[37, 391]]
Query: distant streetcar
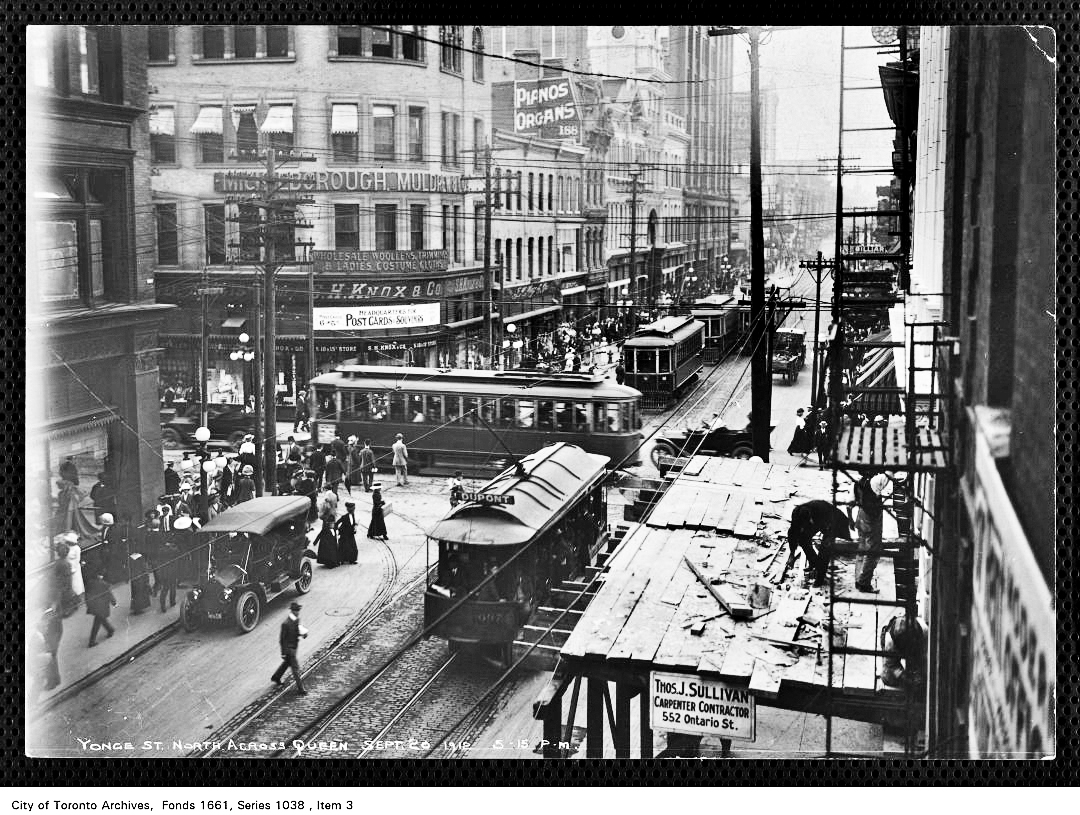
[[727, 324], [465, 419], [662, 359], [503, 549]]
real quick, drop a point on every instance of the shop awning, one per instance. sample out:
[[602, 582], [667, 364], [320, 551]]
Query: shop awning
[[279, 119], [345, 119], [670, 270], [529, 314], [209, 121], [573, 290], [162, 122], [615, 284], [234, 322]]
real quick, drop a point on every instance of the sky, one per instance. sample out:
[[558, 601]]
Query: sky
[[803, 66]]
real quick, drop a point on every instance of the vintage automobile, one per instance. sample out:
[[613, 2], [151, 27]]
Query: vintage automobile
[[244, 558], [720, 441], [226, 422]]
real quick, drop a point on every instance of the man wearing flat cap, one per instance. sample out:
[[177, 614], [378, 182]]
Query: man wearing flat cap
[[291, 632]]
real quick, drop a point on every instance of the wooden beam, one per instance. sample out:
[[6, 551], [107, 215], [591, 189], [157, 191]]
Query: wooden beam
[[731, 603], [594, 718], [552, 728], [621, 730]]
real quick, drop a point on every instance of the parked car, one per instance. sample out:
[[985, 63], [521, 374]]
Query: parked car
[[245, 557], [721, 441], [226, 422]]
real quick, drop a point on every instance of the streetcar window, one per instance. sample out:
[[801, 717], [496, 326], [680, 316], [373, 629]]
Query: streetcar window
[[614, 417], [581, 417], [599, 417], [434, 409], [646, 362], [563, 417], [546, 415], [397, 408], [624, 416], [416, 408], [663, 361], [472, 410], [487, 410], [326, 405], [526, 414], [628, 363], [378, 404], [507, 412], [453, 408]]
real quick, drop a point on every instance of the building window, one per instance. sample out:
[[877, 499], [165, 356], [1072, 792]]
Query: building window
[[452, 39], [89, 64], [167, 246], [159, 40], [416, 134], [551, 255], [451, 138], [478, 54], [278, 127], [519, 264], [412, 43], [213, 42], [382, 43], [277, 41], [208, 130], [344, 132], [416, 226], [459, 243], [383, 124], [532, 243], [551, 188], [247, 134], [79, 234], [250, 221], [162, 135], [479, 226], [385, 227], [540, 193], [539, 257], [348, 41], [214, 228], [497, 260], [244, 42], [446, 227], [531, 189], [346, 226], [518, 186], [479, 143]]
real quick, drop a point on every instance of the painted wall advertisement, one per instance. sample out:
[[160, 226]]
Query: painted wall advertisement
[[547, 108], [687, 703], [1013, 666], [395, 261], [363, 318]]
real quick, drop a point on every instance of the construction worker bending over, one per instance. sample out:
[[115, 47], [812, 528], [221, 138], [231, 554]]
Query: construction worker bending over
[[904, 642], [809, 519]]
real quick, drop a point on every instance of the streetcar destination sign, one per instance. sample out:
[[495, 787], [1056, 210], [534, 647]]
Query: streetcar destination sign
[[687, 703], [487, 498]]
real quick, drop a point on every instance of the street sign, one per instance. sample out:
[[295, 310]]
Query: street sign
[[687, 703], [487, 498]]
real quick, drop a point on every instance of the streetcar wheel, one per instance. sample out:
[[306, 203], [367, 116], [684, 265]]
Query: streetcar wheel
[[303, 583], [247, 611], [742, 451], [170, 438], [187, 615], [661, 449]]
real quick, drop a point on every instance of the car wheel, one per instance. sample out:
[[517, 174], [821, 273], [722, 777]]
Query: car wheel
[[236, 438], [303, 582], [661, 448], [170, 438], [188, 620], [248, 610], [742, 451]]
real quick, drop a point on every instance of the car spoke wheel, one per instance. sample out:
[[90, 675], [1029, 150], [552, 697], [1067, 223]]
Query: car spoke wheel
[[188, 620], [303, 583], [742, 451], [247, 611], [661, 449]]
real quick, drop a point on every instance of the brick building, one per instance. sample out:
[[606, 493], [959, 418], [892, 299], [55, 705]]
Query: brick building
[[92, 321]]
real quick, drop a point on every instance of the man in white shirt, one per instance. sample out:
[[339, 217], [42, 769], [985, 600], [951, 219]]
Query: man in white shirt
[[401, 460]]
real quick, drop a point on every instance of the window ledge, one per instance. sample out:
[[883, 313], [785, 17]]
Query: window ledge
[[418, 63], [455, 74], [239, 60], [158, 63]]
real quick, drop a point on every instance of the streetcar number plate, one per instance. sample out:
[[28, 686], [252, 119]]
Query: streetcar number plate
[[214, 615]]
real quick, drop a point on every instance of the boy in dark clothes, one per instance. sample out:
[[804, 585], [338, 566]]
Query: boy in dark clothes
[[812, 518]]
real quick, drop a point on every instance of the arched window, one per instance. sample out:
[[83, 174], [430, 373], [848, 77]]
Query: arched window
[[551, 190], [532, 181], [562, 192], [478, 54], [540, 193], [519, 197]]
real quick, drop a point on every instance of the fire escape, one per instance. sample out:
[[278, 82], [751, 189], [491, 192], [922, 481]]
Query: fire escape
[[869, 283]]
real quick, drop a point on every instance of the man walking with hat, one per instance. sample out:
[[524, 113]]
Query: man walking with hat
[[401, 460], [291, 632]]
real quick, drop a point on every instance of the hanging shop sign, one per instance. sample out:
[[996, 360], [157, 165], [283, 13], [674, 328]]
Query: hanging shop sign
[[1011, 702], [403, 261], [401, 345], [687, 703], [424, 289], [357, 180], [547, 108], [364, 318], [531, 291]]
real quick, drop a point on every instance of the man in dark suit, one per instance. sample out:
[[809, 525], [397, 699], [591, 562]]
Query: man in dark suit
[[291, 632], [809, 519]]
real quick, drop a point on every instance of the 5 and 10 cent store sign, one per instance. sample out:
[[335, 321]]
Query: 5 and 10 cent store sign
[[685, 703]]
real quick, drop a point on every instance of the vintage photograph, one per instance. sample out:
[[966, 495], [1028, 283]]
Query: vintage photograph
[[540, 392]]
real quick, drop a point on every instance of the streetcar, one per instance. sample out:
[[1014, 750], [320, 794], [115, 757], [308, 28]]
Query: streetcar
[[727, 324], [503, 549], [475, 420], [662, 359]]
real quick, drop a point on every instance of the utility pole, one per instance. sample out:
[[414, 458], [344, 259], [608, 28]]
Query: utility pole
[[760, 376], [204, 352], [817, 267], [256, 385], [635, 292], [311, 319], [489, 299]]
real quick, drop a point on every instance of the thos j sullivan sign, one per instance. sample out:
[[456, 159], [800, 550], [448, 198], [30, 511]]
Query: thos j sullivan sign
[[363, 318], [687, 703], [358, 180], [405, 261], [487, 498]]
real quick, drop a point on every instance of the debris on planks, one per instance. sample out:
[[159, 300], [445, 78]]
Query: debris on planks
[[735, 604]]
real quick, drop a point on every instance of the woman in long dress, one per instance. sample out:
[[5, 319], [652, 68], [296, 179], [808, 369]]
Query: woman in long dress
[[346, 532], [327, 538], [377, 526]]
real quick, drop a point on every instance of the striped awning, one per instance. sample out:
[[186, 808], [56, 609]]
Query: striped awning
[[162, 122], [279, 119], [345, 119], [209, 120]]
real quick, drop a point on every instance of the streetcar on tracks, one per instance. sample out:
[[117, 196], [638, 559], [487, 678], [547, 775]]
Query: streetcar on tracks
[[244, 558], [663, 359], [727, 325], [503, 549], [476, 420]]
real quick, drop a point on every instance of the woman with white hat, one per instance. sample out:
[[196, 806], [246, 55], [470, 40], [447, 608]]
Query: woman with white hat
[[74, 559], [245, 485]]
